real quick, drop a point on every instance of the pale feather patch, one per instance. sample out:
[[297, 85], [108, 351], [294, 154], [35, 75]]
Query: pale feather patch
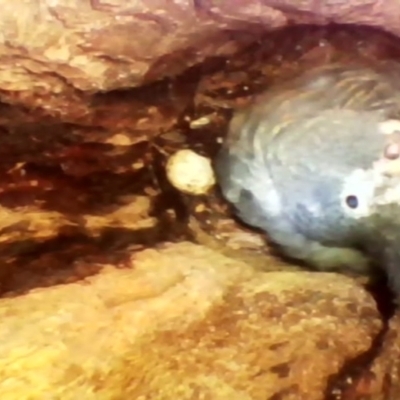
[[362, 184], [389, 126], [391, 195], [264, 190], [388, 167], [372, 189]]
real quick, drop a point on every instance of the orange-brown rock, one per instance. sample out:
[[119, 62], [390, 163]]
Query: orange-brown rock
[[184, 322], [381, 380], [181, 321], [54, 53]]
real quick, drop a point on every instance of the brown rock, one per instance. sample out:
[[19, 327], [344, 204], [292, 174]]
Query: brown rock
[[55, 53], [183, 322], [381, 381]]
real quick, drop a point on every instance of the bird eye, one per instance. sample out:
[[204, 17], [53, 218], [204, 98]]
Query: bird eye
[[352, 201], [357, 196]]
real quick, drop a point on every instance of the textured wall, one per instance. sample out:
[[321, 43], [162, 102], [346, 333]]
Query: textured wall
[[52, 50]]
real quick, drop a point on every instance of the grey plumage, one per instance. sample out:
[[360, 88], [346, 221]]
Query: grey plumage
[[306, 163]]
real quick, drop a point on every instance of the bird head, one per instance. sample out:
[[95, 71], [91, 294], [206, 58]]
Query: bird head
[[339, 178]]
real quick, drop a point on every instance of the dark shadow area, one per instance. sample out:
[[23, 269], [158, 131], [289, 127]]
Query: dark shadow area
[[72, 257], [354, 370]]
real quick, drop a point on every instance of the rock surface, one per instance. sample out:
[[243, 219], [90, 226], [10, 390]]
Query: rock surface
[[184, 322], [382, 380], [55, 53], [79, 319]]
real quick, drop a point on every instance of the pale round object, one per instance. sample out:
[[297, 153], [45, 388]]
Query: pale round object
[[190, 172]]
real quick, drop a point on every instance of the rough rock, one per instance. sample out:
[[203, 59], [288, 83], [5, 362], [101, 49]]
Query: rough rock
[[381, 381], [81, 318], [56, 53], [184, 322]]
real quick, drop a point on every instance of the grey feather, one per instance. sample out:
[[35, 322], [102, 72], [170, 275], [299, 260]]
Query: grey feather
[[291, 157]]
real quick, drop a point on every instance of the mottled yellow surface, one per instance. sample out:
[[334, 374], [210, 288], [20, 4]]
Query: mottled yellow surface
[[183, 322]]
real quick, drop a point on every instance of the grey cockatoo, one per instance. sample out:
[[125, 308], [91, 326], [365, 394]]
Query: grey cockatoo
[[315, 163]]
